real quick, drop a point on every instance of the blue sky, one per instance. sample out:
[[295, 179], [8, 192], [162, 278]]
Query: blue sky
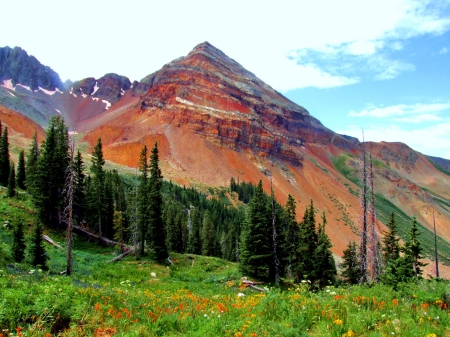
[[382, 66]]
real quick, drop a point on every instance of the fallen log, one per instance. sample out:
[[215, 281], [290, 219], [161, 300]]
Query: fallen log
[[253, 285], [97, 237], [121, 256], [50, 241], [251, 282]]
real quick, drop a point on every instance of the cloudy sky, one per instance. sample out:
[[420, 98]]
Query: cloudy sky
[[382, 66]]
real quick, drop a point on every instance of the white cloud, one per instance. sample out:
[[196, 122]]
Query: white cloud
[[403, 110], [444, 50]]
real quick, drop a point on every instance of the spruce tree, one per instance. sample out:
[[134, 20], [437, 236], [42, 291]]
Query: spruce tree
[[194, 245], [307, 243], [413, 250], [20, 177], [157, 234], [97, 200], [142, 199], [291, 239], [391, 246], [31, 168], [11, 190], [79, 188], [18, 246], [256, 248], [37, 251], [119, 228], [4, 157], [208, 236], [325, 267], [351, 267]]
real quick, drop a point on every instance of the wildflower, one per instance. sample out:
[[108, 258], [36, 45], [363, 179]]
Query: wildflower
[[241, 295], [394, 302], [431, 335], [338, 321]]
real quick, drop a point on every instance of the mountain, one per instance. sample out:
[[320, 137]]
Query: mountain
[[214, 120]]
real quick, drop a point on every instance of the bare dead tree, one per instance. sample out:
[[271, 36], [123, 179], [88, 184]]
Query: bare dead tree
[[436, 261], [363, 246], [68, 211], [374, 263], [274, 239]]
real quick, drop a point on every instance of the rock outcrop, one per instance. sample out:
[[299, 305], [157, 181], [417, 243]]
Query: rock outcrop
[[16, 65], [110, 87]]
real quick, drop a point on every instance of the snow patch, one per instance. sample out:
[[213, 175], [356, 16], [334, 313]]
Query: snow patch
[[24, 86], [71, 91], [48, 92], [8, 84], [178, 99], [74, 95], [95, 88], [58, 111], [9, 92], [107, 104], [95, 98], [84, 95], [122, 92], [73, 133]]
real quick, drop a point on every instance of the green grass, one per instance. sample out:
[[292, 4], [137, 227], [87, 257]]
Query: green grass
[[439, 167], [340, 163]]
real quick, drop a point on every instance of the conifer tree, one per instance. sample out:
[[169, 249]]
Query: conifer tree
[[79, 188], [157, 234], [4, 157], [391, 246], [413, 250], [307, 243], [208, 236], [325, 267], [20, 177], [37, 251], [18, 246], [194, 241], [49, 174], [11, 190], [97, 198], [292, 239], [143, 199], [31, 168], [119, 228], [256, 249], [351, 267]]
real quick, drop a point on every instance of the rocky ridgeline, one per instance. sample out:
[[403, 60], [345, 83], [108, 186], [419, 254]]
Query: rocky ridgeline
[[217, 98], [17, 65], [110, 87]]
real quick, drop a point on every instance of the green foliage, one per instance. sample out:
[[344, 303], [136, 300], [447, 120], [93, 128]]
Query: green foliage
[[156, 232], [38, 255], [391, 245], [208, 236], [18, 245], [244, 190], [143, 198], [20, 177], [351, 271], [4, 156], [11, 189]]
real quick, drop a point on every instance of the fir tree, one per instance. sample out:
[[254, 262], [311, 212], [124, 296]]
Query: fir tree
[[194, 245], [142, 201], [20, 177], [256, 249], [37, 252], [307, 243], [325, 267], [157, 234], [351, 267], [79, 188], [119, 228], [31, 168], [413, 250], [11, 190], [208, 236], [391, 246], [18, 246], [97, 198], [4, 157], [292, 239]]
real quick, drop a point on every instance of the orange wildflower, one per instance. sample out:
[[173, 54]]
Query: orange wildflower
[[394, 302]]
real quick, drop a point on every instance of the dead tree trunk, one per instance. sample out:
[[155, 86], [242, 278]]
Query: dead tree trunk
[[363, 247], [435, 247]]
